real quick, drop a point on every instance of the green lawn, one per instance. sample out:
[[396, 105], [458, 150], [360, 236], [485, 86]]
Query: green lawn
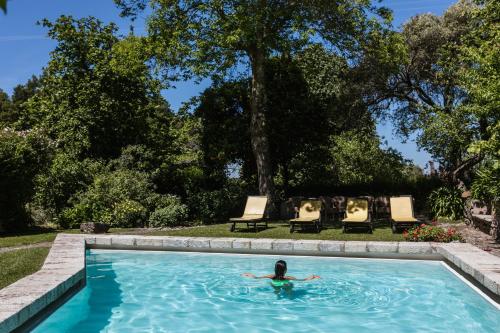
[[17, 240], [281, 230], [19, 263]]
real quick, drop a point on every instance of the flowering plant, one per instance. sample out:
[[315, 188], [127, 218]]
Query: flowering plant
[[432, 233]]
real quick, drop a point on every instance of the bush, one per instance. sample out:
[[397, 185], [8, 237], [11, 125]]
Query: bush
[[126, 214], [118, 198], [64, 178], [431, 233], [446, 202], [74, 216], [218, 205], [171, 214], [22, 156]]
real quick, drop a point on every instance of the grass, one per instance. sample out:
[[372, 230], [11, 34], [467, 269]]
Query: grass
[[19, 263], [280, 230], [277, 230], [26, 239]]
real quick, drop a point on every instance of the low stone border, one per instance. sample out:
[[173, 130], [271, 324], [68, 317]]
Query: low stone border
[[65, 265], [63, 269]]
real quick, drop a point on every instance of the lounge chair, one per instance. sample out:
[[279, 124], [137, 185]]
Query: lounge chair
[[402, 213], [357, 215], [253, 214], [309, 215]]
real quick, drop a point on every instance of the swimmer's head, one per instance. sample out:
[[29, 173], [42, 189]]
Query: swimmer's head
[[280, 270]]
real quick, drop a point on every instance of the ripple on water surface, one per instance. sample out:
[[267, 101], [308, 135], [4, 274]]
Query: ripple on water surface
[[135, 291]]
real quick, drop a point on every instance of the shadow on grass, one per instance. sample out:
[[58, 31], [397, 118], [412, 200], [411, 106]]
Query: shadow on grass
[[29, 232], [251, 230]]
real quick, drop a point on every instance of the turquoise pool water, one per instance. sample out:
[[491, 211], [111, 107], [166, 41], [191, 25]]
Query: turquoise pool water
[[139, 291]]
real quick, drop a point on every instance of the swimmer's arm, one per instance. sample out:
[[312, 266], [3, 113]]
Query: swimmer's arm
[[312, 277], [250, 275]]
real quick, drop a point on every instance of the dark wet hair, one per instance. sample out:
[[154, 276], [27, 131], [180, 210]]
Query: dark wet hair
[[280, 270]]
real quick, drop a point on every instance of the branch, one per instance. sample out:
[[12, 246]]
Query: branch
[[466, 165]]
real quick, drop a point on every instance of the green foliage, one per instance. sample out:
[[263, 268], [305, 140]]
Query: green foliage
[[217, 205], [6, 110], [170, 212], [96, 95], [126, 214], [117, 198], [486, 185], [427, 89], [3, 5], [481, 78], [65, 177], [12, 109], [208, 37], [218, 38], [22, 156], [431, 233], [447, 202], [360, 160]]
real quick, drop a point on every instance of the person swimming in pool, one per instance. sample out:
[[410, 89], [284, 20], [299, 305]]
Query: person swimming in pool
[[279, 279]]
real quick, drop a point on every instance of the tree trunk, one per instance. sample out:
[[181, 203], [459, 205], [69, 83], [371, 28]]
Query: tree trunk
[[260, 143], [286, 180], [495, 224]]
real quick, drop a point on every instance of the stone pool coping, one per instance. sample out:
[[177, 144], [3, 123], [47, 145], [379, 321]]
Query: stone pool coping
[[64, 267]]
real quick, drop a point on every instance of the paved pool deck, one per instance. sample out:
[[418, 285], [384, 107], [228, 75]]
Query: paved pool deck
[[64, 267]]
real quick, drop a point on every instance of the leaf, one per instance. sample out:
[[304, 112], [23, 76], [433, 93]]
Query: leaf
[[3, 5]]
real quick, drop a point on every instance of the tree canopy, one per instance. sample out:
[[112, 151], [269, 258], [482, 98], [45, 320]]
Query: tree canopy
[[216, 38]]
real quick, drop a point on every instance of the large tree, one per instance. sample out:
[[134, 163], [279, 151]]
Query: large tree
[[11, 109], [481, 79], [428, 92], [96, 94], [216, 37]]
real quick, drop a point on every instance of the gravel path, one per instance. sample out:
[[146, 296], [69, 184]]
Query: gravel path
[[28, 246]]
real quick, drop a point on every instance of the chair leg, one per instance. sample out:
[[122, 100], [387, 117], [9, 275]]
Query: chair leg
[[292, 227], [255, 227], [232, 227], [394, 228]]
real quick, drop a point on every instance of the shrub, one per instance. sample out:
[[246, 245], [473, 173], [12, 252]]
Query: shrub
[[72, 217], [126, 214], [216, 206], [486, 185], [431, 233], [109, 188], [118, 198], [22, 156], [171, 215], [446, 202], [64, 178]]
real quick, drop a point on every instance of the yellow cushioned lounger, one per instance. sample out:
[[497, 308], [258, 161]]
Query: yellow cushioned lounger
[[357, 215], [255, 209], [309, 215], [402, 212]]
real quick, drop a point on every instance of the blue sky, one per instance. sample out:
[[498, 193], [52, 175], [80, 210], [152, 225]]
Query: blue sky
[[24, 49]]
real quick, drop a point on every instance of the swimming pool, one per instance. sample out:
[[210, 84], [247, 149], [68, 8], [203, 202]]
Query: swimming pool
[[140, 291]]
